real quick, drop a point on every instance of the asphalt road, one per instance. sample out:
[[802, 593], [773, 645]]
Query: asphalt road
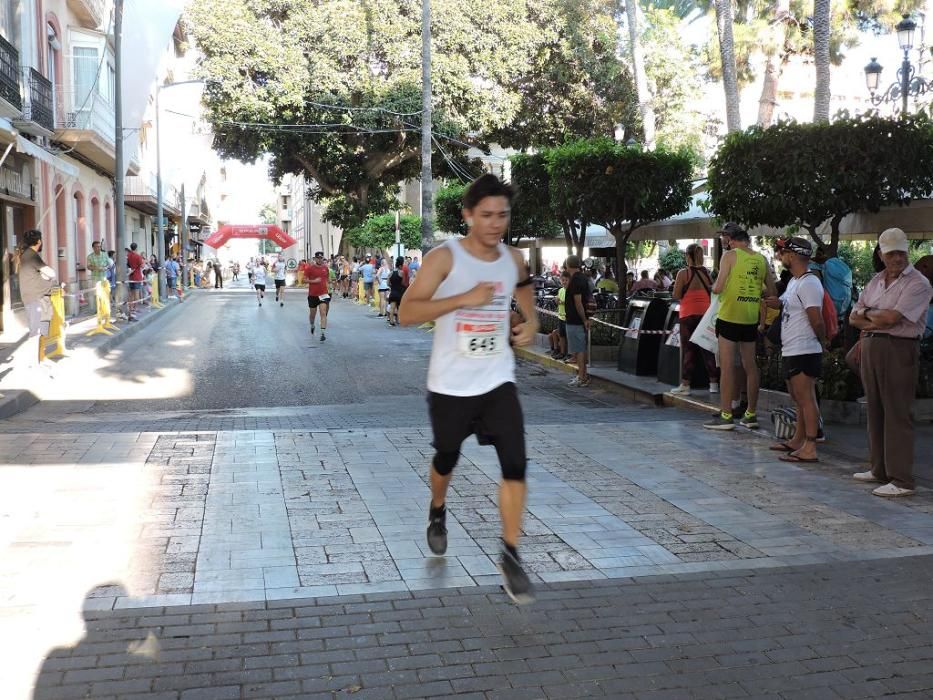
[[237, 354]]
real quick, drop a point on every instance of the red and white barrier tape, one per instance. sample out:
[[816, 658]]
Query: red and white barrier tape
[[548, 312]]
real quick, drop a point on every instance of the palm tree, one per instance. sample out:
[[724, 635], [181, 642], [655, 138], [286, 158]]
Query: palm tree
[[822, 10], [638, 69], [727, 55]]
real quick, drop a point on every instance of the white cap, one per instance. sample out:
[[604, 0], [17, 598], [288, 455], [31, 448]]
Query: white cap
[[891, 240]]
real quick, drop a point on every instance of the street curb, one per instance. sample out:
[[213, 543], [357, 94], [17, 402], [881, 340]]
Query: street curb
[[14, 401], [629, 392]]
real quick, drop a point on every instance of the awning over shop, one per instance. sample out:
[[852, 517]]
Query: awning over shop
[[61, 165]]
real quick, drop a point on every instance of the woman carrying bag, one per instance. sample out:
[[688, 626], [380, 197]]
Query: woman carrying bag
[[692, 288]]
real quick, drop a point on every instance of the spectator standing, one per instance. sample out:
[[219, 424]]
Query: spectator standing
[[413, 268], [891, 313], [171, 276], [693, 288], [837, 280], [368, 273], [578, 291], [629, 283], [111, 274], [135, 263], [383, 278], [558, 336], [97, 263], [36, 281], [396, 290], [743, 274], [218, 275], [803, 337], [644, 283]]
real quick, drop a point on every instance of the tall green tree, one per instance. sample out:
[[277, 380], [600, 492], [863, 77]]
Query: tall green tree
[[532, 213], [332, 88], [577, 84], [448, 209], [822, 16], [620, 188], [730, 81], [811, 176], [378, 232]]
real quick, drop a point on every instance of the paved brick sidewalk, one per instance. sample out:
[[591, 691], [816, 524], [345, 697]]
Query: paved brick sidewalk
[[853, 630]]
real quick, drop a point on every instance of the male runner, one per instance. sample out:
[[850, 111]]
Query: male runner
[[259, 281], [466, 287], [318, 276], [279, 267]]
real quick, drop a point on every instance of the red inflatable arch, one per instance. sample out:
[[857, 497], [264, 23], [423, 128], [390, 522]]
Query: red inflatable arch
[[268, 231]]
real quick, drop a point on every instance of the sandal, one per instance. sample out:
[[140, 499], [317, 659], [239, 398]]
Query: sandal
[[781, 447], [794, 459]]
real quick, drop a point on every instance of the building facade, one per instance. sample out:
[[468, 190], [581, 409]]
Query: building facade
[[58, 148]]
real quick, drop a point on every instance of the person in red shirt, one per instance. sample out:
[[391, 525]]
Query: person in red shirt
[[134, 262], [406, 274], [318, 276]]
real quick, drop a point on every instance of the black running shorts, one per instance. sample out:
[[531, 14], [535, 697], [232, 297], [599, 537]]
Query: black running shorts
[[260, 287], [810, 365], [279, 283], [495, 418], [314, 302], [737, 332]]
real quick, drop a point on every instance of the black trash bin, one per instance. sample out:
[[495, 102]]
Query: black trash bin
[[638, 353], [669, 364]]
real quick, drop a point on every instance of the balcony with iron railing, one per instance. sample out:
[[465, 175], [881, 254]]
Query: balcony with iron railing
[[38, 114], [11, 102], [85, 121]]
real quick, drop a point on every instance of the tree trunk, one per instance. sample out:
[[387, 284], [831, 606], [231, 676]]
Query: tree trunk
[[645, 100], [621, 243], [727, 55], [776, 59], [821, 96], [774, 67]]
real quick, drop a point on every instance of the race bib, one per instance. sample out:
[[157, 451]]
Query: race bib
[[480, 338]]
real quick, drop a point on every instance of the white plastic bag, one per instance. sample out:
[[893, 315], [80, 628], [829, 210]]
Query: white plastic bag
[[705, 334]]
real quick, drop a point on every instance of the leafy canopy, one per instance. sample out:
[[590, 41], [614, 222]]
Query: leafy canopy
[[802, 175], [448, 209], [378, 232], [332, 88]]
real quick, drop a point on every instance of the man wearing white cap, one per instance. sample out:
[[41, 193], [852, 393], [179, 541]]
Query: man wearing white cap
[[891, 313]]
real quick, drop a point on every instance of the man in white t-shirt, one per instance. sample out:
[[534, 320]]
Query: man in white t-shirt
[[278, 268], [259, 281], [803, 337]]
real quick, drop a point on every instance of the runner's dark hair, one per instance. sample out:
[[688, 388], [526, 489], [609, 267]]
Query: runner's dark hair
[[486, 186], [31, 237]]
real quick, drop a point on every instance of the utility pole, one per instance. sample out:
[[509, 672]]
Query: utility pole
[[183, 238], [119, 167], [427, 179]]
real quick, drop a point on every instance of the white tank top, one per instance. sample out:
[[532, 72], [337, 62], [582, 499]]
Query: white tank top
[[471, 354]]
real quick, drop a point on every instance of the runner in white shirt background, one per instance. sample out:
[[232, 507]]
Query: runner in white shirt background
[[279, 268], [259, 281], [466, 286]]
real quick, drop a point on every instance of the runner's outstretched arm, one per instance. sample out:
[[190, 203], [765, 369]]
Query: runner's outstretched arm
[[418, 306]]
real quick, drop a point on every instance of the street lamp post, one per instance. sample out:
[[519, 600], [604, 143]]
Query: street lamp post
[[908, 83], [160, 213]]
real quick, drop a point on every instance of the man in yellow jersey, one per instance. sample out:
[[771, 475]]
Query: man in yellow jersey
[[743, 274]]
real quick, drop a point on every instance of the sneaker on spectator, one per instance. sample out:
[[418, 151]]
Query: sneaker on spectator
[[720, 423], [681, 390], [749, 420], [714, 387], [865, 476], [892, 491]]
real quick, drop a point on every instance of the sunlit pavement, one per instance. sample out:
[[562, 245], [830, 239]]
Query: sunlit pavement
[[237, 506]]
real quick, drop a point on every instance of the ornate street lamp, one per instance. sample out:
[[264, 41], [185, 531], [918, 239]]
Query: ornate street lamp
[[908, 84]]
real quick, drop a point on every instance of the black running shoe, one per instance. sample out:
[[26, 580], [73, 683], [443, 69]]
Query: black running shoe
[[322, 335], [515, 580], [312, 330], [437, 530]]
